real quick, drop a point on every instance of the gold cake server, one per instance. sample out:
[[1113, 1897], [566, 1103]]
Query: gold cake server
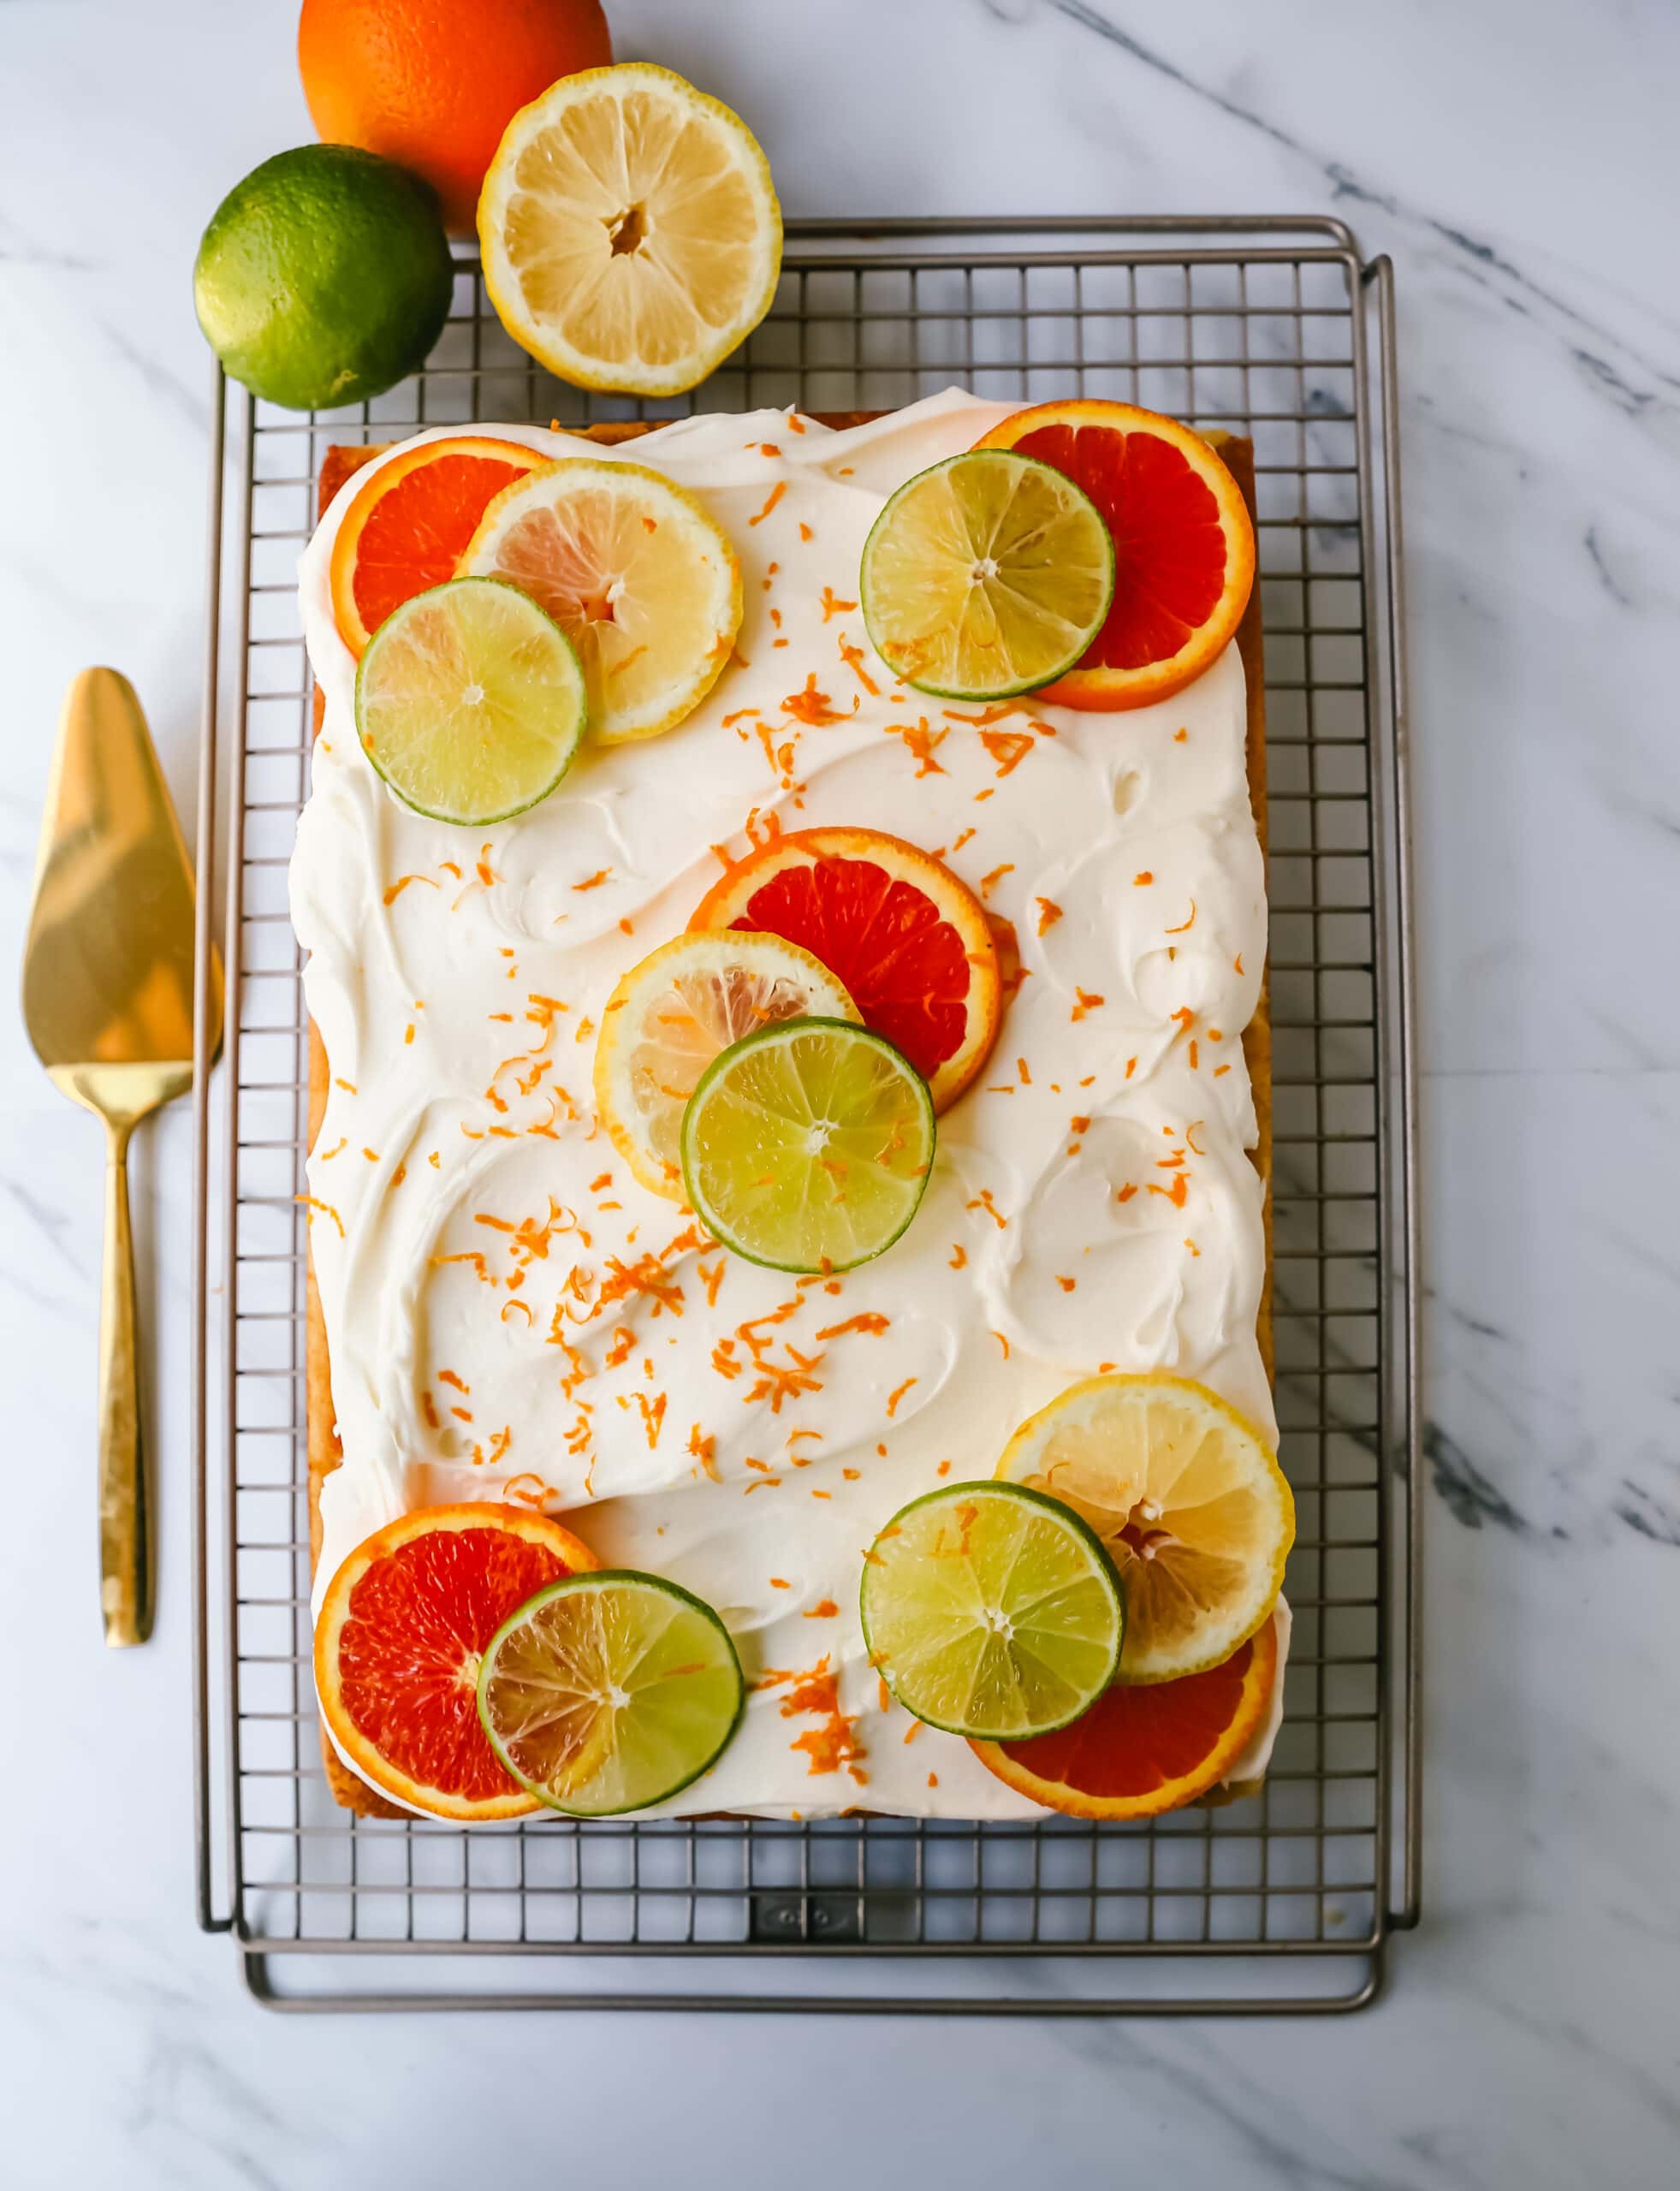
[[108, 1001]]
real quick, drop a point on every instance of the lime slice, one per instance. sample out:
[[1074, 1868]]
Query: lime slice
[[470, 702], [992, 1611], [608, 1692], [807, 1146], [986, 575]]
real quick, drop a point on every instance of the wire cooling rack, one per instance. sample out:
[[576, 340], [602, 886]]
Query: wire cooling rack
[[1286, 1901]]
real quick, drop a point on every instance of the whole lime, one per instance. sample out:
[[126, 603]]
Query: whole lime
[[324, 277]]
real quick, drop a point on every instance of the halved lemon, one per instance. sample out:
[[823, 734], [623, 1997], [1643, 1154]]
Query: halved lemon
[[986, 575], [629, 230], [991, 1612], [1187, 1497], [808, 1147], [470, 702], [639, 575], [673, 1014], [608, 1692]]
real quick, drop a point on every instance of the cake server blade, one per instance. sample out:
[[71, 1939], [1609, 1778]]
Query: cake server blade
[[108, 1002]]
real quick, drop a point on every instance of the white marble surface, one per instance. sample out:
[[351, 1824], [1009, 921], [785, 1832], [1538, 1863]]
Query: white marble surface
[[1519, 163]]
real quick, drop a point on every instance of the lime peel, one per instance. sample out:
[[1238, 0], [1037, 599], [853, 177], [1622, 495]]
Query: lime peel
[[324, 277]]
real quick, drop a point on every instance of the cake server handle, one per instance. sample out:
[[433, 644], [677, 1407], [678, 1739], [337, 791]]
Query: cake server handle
[[125, 1565]]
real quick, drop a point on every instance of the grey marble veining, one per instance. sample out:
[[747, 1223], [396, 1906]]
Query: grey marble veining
[[1519, 163]]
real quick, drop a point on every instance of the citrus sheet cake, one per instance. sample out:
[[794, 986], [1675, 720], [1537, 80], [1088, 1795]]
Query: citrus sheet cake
[[509, 1315]]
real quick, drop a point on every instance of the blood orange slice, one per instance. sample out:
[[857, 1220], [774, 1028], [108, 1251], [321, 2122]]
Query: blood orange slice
[[911, 943], [399, 1638], [1184, 545], [1139, 1751], [407, 527]]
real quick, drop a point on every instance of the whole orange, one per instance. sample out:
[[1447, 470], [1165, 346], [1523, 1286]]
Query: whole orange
[[434, 83]]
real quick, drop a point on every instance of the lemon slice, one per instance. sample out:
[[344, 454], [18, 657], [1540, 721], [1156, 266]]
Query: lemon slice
[[629, 230], [808, 1147], [986, 575], [1188, 1498], [671, 1016], [991, 1612], [608, 1692], [470, 702], [636, 573]]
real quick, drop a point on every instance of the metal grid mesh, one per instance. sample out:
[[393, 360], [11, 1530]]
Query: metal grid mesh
[[1263, 342]]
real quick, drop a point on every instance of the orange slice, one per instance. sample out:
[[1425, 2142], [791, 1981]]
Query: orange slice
[[1138, 1752], [402, 1631], [408, 526], [911, 943], [1184, 545]]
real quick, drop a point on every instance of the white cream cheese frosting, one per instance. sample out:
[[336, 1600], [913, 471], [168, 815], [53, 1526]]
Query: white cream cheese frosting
[[509, 1314]]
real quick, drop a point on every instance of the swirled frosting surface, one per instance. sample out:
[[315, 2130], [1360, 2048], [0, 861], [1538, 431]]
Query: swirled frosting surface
[[509, 1314]]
